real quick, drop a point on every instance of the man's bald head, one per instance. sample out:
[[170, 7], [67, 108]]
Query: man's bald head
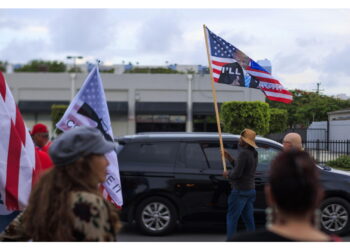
[[292, 141]]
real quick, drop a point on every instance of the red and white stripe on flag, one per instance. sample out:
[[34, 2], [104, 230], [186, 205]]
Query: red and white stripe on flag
[[18, 163], [223, 53], [271, 87]]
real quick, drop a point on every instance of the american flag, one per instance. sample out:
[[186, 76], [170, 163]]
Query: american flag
[[89, 108], [224, 55], [19, 165]]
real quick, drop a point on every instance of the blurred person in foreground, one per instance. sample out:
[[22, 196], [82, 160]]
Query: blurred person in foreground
[[66, 204], [293, 195], [292, 141], [241, 199]]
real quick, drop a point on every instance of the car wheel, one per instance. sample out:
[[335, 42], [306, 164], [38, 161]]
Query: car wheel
[[156, 216], [335, 214]]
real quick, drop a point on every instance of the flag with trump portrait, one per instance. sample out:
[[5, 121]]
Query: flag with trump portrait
[[231, 66], [19, 163], [89, 108]]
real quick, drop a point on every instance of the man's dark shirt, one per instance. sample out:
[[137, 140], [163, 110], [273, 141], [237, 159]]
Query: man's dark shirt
[[243, 173]]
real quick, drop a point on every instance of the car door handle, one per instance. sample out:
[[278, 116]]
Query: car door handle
[[190, 185], [258, 181]]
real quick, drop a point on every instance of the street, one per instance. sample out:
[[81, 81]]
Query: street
[[182, 234]]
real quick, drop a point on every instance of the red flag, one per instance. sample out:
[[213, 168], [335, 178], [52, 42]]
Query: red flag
[[18, 164]]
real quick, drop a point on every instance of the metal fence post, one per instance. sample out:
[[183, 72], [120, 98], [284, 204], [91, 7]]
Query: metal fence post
[[318, 150]]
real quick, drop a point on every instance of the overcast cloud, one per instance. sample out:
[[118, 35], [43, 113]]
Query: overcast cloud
[[305, 46]]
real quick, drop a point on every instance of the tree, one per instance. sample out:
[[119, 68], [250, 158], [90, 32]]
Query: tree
[[308, 107], [107, 70], [75, 69], [237, 116], [42, 66], [3, 66], [158, 70], [57, 111], [278, 120]]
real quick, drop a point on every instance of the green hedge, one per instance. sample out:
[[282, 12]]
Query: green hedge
[[57, 112], [343, 162], [235, 116], [278, 120]]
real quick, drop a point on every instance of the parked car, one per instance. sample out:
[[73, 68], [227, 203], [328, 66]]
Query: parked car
[[170, 178]]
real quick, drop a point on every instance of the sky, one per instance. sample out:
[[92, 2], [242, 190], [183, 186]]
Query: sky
[[304, 45]]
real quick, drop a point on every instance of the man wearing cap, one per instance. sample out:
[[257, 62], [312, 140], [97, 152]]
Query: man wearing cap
[[242, 197], [40, 136]]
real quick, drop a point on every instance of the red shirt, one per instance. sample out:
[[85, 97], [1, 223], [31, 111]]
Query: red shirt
[[45, 159], [46, 147]]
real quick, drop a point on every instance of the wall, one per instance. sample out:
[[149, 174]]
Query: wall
[[339, 130], [130, 88]]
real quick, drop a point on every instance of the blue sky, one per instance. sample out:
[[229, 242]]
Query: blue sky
[[305, 46]]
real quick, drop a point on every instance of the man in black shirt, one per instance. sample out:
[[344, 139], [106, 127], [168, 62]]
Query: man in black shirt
[[242, 197]]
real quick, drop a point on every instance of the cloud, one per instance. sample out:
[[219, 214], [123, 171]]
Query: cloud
[[160, 33], [338, 62], [306, 42], [19, 52], [292, 63], [81, 30], [240, 39]]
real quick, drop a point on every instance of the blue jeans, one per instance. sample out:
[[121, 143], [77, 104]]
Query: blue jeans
[[240, 203]]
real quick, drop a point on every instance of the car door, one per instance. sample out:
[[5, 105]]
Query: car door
[[266, 153], [199, 181]]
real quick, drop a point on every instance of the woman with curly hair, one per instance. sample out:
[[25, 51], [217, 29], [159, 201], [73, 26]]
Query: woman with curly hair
[[66, 204]]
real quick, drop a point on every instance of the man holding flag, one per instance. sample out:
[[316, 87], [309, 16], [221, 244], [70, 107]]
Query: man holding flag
[[229, 65], [89, 108]]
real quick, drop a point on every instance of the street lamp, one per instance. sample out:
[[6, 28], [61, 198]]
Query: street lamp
[[74, 74], [189, 125]]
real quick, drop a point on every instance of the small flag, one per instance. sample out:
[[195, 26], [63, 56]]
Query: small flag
[[232, 66], [89, 108], [19, 165]]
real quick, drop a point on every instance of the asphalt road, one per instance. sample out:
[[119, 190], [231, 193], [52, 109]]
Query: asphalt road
[[182, 234]]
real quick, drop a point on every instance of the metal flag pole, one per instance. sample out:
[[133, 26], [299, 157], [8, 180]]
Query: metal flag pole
[[215, 100]]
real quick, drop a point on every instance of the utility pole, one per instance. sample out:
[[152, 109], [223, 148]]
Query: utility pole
[[189, 123], [318, 90], [74, 74]]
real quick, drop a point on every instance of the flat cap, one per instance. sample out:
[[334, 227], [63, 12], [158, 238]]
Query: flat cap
[[78, 142]]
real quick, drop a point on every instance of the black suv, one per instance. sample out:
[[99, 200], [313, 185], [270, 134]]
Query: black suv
[[170, 178]]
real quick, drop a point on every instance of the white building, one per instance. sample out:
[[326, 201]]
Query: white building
[[137, 102]]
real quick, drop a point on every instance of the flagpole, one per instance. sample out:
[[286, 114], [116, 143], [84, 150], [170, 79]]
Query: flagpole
[[215, 101]]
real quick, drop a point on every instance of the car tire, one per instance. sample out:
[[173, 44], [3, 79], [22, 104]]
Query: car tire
[[335, 216], [156, 216]]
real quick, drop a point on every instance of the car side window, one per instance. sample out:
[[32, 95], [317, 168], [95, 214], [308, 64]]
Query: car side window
[[194, 156], [152, 153], [266, 153], [213, 155]]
